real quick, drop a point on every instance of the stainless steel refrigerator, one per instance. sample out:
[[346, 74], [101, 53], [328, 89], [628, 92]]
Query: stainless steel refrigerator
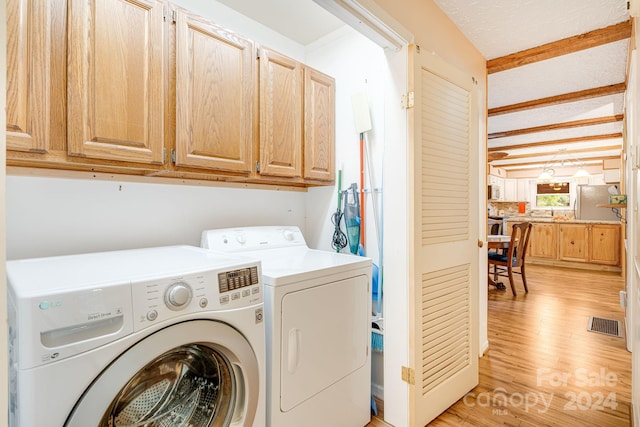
[[588, 196]]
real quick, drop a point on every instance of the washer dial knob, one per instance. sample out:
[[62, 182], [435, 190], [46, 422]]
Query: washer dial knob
[[177, 296]]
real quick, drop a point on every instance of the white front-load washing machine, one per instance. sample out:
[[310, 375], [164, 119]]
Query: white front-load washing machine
[[318, 325], [170, 336]]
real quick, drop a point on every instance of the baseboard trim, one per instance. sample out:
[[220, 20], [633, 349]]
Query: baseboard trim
[[377, 391], [483, 348]]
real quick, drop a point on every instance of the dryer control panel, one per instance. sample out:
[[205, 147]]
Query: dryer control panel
[[252, 238]]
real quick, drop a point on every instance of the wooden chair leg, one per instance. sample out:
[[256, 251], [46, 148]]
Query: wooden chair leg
[[524, 278], [513, 288]]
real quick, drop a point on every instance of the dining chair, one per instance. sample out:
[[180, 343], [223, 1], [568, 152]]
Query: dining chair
[[505, 263]]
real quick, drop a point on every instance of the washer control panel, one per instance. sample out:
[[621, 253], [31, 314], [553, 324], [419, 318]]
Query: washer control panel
[[237, 279], [216, 290]]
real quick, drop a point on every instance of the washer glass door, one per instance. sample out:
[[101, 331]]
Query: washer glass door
[[192, 385], [195, 373]]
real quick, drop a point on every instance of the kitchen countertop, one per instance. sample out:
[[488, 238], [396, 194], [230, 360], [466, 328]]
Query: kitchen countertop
[[558, 220]]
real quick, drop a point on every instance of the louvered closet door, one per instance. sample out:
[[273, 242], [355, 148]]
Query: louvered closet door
[[444, 317]]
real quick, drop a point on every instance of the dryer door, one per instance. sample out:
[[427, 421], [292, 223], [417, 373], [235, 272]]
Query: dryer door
[[325, 337], [197, 373]]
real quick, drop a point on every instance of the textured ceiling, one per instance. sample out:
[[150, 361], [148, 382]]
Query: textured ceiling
[[503, 27], [596, 67], [500, 27]]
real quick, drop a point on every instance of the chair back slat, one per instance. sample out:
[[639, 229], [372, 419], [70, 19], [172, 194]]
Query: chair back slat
[[519, 242]]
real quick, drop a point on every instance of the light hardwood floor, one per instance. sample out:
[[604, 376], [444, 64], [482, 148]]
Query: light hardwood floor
[[543, 363]]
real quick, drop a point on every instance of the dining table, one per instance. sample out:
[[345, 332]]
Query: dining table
[[498, 242]]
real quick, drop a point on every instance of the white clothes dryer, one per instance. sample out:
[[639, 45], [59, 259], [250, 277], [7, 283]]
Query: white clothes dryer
[[318, 323], [170, 336]]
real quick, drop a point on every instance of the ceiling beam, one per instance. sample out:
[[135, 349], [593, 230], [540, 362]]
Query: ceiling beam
[[569, 152], [526, 165], [557, 142], [559, 99], [556, 126], [588, 40]]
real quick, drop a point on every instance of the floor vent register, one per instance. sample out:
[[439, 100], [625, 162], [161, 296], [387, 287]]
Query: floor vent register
[[605, 326]]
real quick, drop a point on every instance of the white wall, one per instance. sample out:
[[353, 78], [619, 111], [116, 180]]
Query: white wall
[[359, 66], [58, 216]]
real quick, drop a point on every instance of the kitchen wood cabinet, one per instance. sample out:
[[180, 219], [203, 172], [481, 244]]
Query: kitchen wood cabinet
[[115, 80], [574, 242], [543, 240], [215, 96], [604, 244], [319, 125], [578, 245], [281, 97], [593, 243]]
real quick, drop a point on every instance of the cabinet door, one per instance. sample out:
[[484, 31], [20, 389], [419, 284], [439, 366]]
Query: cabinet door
[[604, 244], [29, 64], [319, 125], [115, 80], [523, 190], [573, 242], [510, 190], [543, 242], [281, 92], [215, 86]]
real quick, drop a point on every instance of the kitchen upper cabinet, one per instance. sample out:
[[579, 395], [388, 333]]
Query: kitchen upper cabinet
[[215, 96], [319, 125], [115, 80], [30, 46], [281, 96], [523, 190], [511, 190]]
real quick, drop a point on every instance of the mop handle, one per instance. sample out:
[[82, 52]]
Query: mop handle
[[362, 201], [339, 188]]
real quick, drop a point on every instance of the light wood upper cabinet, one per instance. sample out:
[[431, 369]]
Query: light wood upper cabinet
[[281, 95], [115, 85], [319, 125], [115, 80], [215, 96], [29, 66]]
